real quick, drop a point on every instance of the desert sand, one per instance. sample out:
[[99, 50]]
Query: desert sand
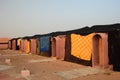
[[48, 68]]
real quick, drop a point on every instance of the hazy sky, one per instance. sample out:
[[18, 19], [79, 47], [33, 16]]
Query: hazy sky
[[20, 18]]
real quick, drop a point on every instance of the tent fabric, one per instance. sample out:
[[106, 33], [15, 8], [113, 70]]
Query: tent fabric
[[114, 49], [83, 31], [38, 45], [81, 46], [71, 58], [105, 28], [44, 44]]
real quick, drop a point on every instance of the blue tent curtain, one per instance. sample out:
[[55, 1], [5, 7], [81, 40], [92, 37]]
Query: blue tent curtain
[[44, 43]]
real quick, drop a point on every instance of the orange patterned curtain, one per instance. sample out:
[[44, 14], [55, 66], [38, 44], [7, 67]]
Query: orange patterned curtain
[[81, 46]]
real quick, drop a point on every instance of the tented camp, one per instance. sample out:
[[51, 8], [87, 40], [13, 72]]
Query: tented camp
[[94, 46], [99, 46]]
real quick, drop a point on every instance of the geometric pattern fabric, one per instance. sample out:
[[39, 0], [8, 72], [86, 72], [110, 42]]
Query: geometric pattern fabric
[[81, 46]]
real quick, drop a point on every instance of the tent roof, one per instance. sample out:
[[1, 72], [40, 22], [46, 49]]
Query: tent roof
[[105, 28], [41, 35], [83, 31]]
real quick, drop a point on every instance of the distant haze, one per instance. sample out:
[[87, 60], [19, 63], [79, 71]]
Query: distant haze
[[19, 18]]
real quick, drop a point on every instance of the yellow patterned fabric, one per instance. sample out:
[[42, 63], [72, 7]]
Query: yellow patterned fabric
[[18, 42], [81, 46]]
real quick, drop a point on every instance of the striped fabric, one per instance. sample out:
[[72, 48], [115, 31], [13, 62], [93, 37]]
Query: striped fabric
[[81, 46]]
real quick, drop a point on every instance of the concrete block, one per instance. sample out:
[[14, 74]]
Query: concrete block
[[25, 72], [8, 61]]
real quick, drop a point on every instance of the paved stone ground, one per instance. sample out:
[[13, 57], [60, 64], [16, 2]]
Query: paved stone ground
[[8, 77], [42, 60], [75, 73], [5, 67], [47, 68]]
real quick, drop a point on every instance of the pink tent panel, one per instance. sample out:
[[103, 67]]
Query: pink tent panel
[[33, 46], [100, 50], [58, 47], [9, 44], [14, 44]]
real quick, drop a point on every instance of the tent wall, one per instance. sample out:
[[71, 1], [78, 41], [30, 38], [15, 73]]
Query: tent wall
[[53, 45], [114, 49], [14, 44], [58, 46], [9, 44], [33, 46]]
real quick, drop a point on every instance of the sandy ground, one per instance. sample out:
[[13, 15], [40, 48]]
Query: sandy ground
[[47, 68]]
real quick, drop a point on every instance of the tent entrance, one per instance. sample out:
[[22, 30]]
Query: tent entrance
[[97, 57], [100, 50], [53, 47]]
